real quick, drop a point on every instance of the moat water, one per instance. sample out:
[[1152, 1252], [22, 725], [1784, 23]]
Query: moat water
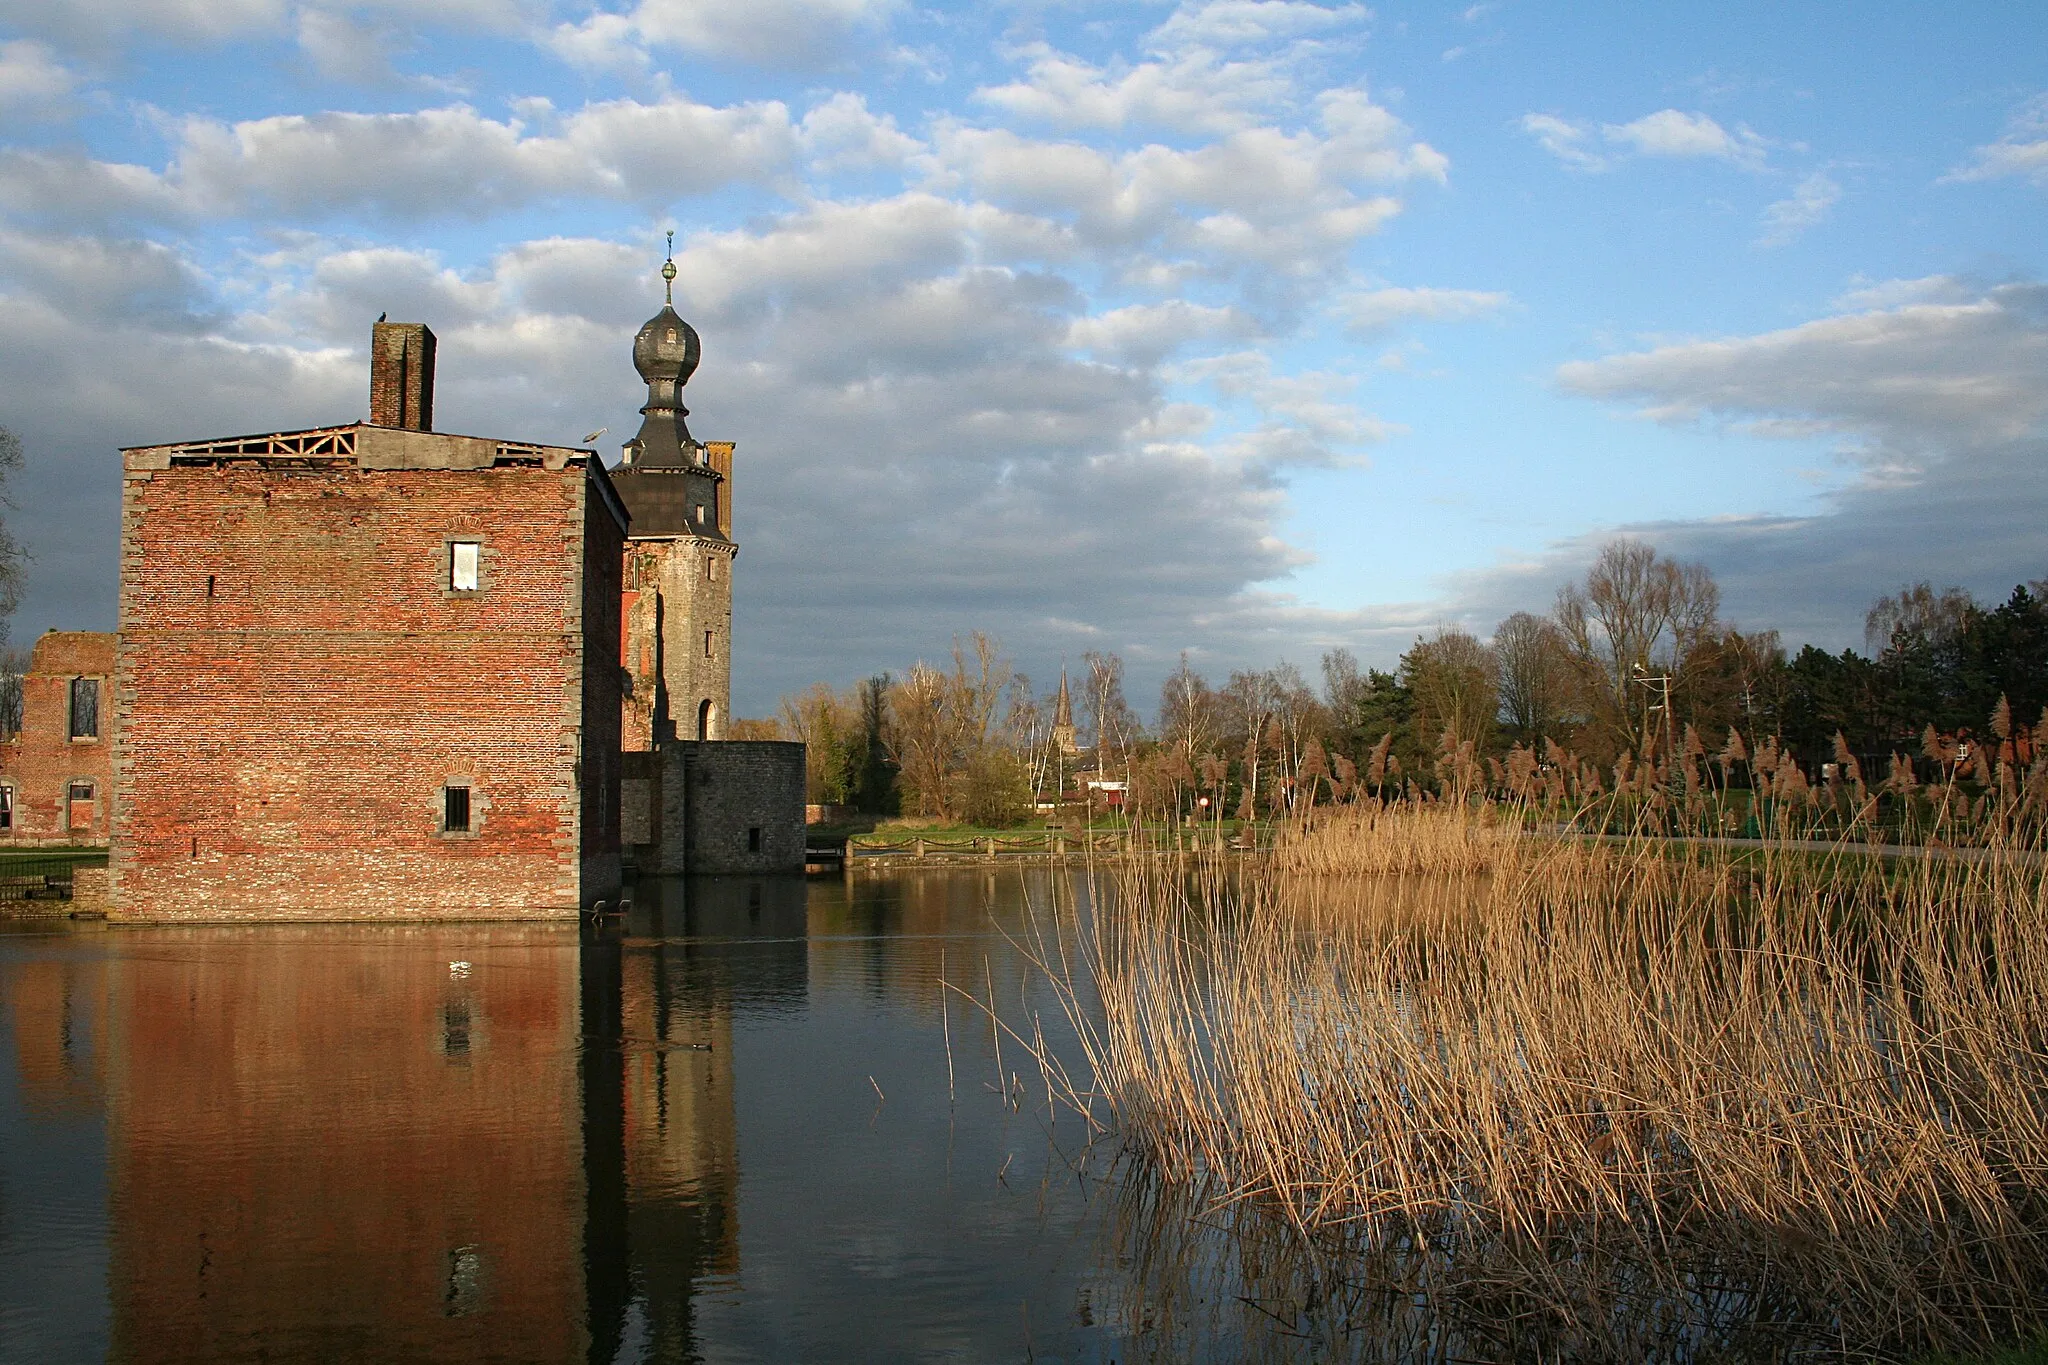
[[724, 1131]]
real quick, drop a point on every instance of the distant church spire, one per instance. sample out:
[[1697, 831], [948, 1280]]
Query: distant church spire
[[1063, 719]]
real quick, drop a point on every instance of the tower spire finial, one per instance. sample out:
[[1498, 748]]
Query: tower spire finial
[[668, 271]]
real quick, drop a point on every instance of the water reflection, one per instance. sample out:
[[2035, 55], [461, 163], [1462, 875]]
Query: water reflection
[[722, 1129]]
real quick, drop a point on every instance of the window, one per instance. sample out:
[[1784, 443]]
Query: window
[[707, 644], [6, 808], [78, 806], [711, 568], [703, 514], [462, 565], [85, 708], [753, 838], [455, 810], [209, 585]]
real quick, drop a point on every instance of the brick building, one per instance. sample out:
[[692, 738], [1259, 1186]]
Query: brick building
[[56, 771], [367, 671]]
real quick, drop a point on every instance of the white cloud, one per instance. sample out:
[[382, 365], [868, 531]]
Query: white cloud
[[1564, 140], [31, 76], [1899, 385], [447, 162], [1193, 92], [1806, 207], [2023, 151], [843, 134], [1940, 390], [763, 32], [98, 24], [1376, 310], [1290, 203], [1666, 133], [1148, 332], [1669, 132], [1234, 23]]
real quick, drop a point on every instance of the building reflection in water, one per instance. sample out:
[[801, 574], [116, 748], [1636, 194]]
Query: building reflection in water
[[56, 1013], [662, 1144], [518, 1142], [411, 1142]]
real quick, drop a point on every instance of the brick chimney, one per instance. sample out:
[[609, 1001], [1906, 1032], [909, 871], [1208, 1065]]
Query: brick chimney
[[402, 376]]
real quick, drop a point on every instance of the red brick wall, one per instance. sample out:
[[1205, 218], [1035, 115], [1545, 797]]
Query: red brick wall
[[282, 742], [42, 762]]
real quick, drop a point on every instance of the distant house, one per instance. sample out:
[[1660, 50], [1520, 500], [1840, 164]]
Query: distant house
[[57, 771]]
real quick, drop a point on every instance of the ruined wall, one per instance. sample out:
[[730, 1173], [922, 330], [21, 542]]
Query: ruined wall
[[39, 766], [734, 806], [677, 593], [298, 682]]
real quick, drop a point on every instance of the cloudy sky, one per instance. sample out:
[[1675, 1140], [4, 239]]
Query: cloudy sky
[[1243, 328]]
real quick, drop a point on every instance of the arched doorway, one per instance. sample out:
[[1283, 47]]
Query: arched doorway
[[704, 719]]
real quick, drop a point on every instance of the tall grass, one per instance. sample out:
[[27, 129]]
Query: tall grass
[[1599, 1103]]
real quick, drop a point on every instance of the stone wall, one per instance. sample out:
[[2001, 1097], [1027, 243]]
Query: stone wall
[[40, 766], [677, 645], [732, 806], [298, 682]]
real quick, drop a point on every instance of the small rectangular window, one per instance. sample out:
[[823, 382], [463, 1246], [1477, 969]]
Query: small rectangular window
[[707, 644], [85, 708], [753, 838], [6, 808], [711, 568], [703, 514], [78, 808], [455, 810], [462, 565]]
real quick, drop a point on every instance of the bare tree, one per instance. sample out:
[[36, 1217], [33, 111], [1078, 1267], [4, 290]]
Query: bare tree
[[1535, 688], [1110, 718], [1187, 714], [11, 553], [1917, 610], [1299, 715], [1249, 702], [1637, 618], [827, 723]]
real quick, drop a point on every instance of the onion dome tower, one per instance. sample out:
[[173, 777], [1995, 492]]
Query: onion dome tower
[[666, 476], [677, 581]]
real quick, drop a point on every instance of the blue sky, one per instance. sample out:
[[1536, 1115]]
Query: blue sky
[[1242, 328]]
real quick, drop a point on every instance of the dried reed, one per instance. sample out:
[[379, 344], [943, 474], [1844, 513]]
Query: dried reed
[[1602, 1103]]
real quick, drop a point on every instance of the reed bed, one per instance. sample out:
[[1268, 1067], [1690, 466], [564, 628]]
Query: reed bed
[[1372, 839], [1599, 1102]]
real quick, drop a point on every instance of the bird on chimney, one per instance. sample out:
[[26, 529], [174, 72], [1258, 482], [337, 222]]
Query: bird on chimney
[[383, 315]]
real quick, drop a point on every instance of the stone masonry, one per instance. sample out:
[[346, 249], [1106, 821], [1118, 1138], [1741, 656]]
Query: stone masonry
[[732, 806]]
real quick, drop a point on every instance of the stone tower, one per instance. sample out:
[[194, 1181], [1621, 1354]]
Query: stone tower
[[679, 554]]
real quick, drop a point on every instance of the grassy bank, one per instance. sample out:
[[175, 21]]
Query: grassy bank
[[1504, 1097]]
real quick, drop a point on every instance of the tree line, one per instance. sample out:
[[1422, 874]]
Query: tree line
[[1632, 668]]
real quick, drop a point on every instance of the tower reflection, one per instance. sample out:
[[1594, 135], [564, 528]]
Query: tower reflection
[[661, 1140]]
